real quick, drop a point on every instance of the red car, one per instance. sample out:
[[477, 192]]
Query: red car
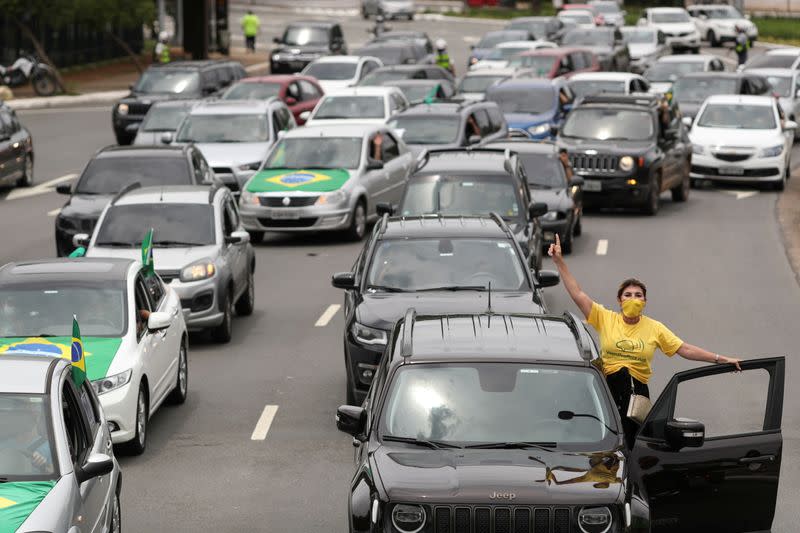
[[301, 93], [598, 18], [554, 62]]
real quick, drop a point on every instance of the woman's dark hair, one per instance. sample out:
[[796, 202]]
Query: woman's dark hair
[[627, 283]]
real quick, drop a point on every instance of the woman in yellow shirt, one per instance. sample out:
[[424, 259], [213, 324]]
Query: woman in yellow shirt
[[628, 339]]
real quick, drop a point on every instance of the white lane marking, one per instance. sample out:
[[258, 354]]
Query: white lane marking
[[53, 110], [602, 247], [54, 212], [42, 188], [264, 422], [741, 194], [327, 316]]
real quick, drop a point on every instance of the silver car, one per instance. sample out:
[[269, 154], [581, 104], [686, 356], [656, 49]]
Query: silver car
[[786, 85], [162, 118], [57, 465], [323, 178], [200, 249], [388, 8]]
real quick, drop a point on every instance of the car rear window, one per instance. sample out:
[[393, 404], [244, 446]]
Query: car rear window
[[108, 175]]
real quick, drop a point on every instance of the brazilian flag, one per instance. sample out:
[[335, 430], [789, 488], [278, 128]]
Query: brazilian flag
[[78, 360], [147, 253]]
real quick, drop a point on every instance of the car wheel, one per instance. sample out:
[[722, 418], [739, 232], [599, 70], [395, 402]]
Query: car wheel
[[358, 222], [116, 515], [680, 193], [712, 39], [27, 176], [222, 333], [246, 303], [139, 442], [654, 198], [181, 390]]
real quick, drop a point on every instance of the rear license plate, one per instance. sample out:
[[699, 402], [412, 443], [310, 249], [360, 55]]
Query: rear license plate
[[284, 215], [592, 185], [731, 171]]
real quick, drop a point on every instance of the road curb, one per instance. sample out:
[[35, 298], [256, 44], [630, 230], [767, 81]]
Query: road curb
[[106, 97]]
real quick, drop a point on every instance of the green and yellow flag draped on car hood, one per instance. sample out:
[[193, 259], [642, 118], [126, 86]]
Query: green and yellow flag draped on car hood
[[98, 352], [284, 180], [18, 500]]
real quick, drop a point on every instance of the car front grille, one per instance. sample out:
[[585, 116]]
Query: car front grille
[[294, 201], [222, 170], [594, 163], [294, 223], [747, 173], [732, 157], [138, 108], [169, 275], [514, 519]]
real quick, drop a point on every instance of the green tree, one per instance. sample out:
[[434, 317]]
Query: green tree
[[112, 16]]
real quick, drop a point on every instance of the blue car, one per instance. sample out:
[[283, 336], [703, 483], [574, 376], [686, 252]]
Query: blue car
[[491, 39], [532, 106]]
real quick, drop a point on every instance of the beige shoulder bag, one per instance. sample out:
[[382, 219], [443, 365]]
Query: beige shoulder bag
[[638, 406]]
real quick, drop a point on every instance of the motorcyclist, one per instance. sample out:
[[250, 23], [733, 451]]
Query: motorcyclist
[[442, 57], [162, 48]]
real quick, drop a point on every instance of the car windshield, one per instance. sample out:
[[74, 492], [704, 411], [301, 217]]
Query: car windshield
[[698, 89], [728, 12], [609, 124], [164, 118], [671, 71], [305, 35], [544, 170], [462, 195], [587, 87], [505, 53], [540, 65], [737, 116], [492, 39], [606, 8], [589, 37], [108, 175], [421, 129], [26, 441], [781, 85], [45, 309], [169, 81], [224, 129], [529, 100], [535, 27], [580, 18], [331, 71], [418, 93], [479, 84], [380, 76], [426, 264], [252, 91], [636, 36], [670, 17], [350, 107], [328, 152], [479, 403], [178, 225], [772, 61], [389, 54]]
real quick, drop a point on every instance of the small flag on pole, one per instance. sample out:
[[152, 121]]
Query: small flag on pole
[[147, 253], [78, 361]]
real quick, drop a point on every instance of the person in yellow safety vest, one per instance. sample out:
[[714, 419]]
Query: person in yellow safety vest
[[742, 45], [162, 48], [250, 27], [442, 57]]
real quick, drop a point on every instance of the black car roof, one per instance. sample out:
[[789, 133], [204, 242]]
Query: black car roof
[[142, 151], [316, 23], [637, 100], [525, 146], [197, 64], [463, 161], [64, 269], [442, 226]]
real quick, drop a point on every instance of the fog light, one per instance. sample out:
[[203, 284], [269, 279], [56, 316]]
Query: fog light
[[366, 372], [408, 518], [631, 181], [595, 519]]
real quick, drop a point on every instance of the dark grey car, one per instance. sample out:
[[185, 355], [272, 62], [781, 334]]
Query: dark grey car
[[607, 43], [163, 117]]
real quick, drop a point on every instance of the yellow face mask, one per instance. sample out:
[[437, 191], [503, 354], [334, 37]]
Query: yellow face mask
[[633, 307]]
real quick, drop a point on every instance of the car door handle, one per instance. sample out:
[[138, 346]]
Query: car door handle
[[757, 459]]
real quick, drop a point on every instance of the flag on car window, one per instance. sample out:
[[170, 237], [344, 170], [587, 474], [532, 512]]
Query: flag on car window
[[78, 361], [147, 253], [431, 96]]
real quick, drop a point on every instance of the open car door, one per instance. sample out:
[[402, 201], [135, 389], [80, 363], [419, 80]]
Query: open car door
[[708, 456]]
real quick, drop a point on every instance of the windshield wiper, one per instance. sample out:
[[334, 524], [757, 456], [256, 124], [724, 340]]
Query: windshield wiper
[[167, 244], [569, 415], [520, 445], [455, 288], [386, 288], [435, 444], [118, 244]]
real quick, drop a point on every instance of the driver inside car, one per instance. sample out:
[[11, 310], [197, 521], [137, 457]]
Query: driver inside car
[[24, 445]]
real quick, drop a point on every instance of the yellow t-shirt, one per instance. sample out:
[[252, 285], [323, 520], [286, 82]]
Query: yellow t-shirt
[[630, 346]]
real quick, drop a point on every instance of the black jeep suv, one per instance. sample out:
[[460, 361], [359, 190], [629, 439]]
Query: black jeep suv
[[626, 153], [304, 41], [494, 423]]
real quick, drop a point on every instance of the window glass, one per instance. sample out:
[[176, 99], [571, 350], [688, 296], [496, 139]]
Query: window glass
[[544, 171], [349, 107], [736, 116], [671, 70], [478, 83], [305, 35], [175, 225], [89, 408], [496, 118], [698, 89], [608, 124], [772, 61], [465, 195], [329, 152], [161, 81], [389, 148], [143, 307], [26, 431], [422, 130], [77, 436], [155, 288], [228, 221], [532, 100], [483, 122], [582, 88], [164, 118], [252, 91], [332, 71], [579, 61], [108, 175], [225, 128], [309, 90]]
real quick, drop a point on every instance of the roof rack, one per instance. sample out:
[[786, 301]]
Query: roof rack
[[212, 191], [126, 189], [647, 99], [502, 223], [582, 338], [406, 348]]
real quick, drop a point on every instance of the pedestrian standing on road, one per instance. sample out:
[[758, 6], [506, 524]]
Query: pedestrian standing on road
[[250, 27], [442, 57], [162, 48], [742, 45], [628, 340]]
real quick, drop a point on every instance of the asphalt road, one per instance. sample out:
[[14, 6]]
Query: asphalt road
[[716, 270]]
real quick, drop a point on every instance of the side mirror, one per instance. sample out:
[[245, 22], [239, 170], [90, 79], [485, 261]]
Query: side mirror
[[238, 237], [687, 121], [384, 208], [167, 137], [344, 280], [290, 100], [473, 139], [158, 320], [554, 131], [80, 239], [96, 465], [64, 188], [797, 94], [276, 40], [304, 115], [351, 419], [789, 125], [537, 209], [547, 278], [685, 433], [374, 164], [576, 181]]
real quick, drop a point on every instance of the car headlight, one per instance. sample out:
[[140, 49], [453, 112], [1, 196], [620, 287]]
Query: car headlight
[[107, 384], [250, 166], [473, 60], [539, 129], [276, 57], [248, 198], [697, 149], [550, 215], [199, 270], [772, 151], [123, 109], [595, 519], [626, 163], [408, 518], [332, 198], [368, 336], [67, 224]]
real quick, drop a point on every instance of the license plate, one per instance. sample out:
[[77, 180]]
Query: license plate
[[592, 185], [731, 171], [284, 215]]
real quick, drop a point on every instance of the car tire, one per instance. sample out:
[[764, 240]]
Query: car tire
[[653, 197], [181, 390], [712, 39], [247, 301], [358, 222], [680, 193], [116, 515], [27, 173], [223, 333], [138, 445]]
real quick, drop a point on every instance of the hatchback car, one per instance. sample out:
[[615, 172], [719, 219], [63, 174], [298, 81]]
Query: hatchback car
[[163, 117], [339, 72], [691, 90], [668, 69], [717, 23], [646, 45], [16, 150], [500, 56], [358, 105], [606, 43], [304, 41], [557, 62], [532, 107], [491, 39], [300, 93], [57, 465]]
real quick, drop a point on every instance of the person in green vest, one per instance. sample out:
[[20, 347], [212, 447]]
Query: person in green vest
[[742, 45], [442, 57], [250, 27], [162, 48]]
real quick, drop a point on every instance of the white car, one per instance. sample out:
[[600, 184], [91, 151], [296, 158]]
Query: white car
[[582, 18], [646, 45], [587, 83], [358, 105], [788, 57], [666, 70], [503, 52], [339, 72], [609, 9], [786, 85], [676, 24], [717, 23], [741, 138]]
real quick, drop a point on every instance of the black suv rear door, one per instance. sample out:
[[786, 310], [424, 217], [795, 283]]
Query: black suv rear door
[[728, 480]]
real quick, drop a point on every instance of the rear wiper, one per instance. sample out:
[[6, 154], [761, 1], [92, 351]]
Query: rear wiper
[[436, 445], [118, 244], [520, 445], [386, 288], [455, 288]]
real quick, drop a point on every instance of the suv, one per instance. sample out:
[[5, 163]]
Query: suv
[[304, 41], [500, 422], [440, 264], [450, 124], [626, 156], [16, 150], [199, 248], [717, 23], [171, 81], [676, 24], [114, 167]]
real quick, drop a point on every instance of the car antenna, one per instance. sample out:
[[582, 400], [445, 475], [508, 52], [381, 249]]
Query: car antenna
[[490, 298]]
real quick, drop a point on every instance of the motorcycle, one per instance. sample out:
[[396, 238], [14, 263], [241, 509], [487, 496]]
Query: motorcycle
[[28, 68]]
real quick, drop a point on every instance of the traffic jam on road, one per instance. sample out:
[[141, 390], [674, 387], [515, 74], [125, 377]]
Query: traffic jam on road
[[472, 405]]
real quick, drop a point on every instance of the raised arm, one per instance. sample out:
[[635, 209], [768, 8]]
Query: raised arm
[[580, 298], [695, 353]]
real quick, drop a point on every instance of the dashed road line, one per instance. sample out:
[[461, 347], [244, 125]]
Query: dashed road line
[[602, 247], [42, 188], [264, 422], [326, 317]]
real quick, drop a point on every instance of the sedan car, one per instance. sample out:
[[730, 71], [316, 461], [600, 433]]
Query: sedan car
[[501, 54], [491, 39], [334, 187], [16, 150], [586, 83], [557, 62], [742, 139], [717, 23], [163, 117], [373, 105], [300, 93], [56, 463], [676, 25], [646, 45], [691, 90], [606, 43], [583, 18], [666, 70], [610, 11], [339, 72], [304, 41], [785, 83], [532, 106]]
